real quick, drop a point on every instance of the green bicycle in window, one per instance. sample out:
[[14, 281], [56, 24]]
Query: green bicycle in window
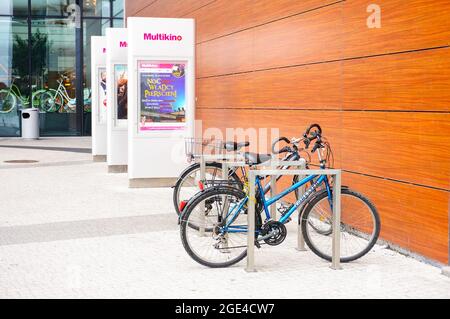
[[11, 97]]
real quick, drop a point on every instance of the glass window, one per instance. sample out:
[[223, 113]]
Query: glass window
[[117, 8], [53, 73], [51, 7], [14, 7], [14, 79], [38, 68], [96, 8], [118, 23]]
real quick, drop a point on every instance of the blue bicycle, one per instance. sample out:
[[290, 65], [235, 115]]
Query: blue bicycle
[[214, 222]]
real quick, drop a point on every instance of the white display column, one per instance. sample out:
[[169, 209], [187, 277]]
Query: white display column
[[161, 99], [117, 114], [99, 103]]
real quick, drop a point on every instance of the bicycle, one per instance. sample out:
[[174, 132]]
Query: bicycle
[[10, 97], [214, 230], [188, 183], [58, 100]]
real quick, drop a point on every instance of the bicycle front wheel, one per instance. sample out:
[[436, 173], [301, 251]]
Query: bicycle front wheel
[[202, 230], [360, 225], [7, 101]]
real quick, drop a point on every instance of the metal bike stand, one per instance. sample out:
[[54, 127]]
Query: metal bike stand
[[203, 159], [301, 164], [336, 220]]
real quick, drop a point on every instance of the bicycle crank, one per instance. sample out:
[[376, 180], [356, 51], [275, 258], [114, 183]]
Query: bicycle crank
[[274, 233]]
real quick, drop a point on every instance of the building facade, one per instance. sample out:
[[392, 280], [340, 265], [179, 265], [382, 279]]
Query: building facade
[[374, 74], [45, 61]]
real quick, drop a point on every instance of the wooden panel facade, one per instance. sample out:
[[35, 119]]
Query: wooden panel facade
[[382, 95]]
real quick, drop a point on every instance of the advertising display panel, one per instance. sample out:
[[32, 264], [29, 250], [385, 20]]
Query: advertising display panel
[[161, 98], [102, 102], [162, 95], [99, 87], [118, 99], [121, 91]]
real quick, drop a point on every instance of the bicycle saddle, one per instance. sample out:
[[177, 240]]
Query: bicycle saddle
[[235, 146], [256, 159]]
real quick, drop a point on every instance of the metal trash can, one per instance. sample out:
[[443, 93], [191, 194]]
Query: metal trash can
[[30, 123]]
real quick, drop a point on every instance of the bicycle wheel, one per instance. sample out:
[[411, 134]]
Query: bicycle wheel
[[7, 101], [187, 184], [202, 232], [45, 101], [324, 229], [360, 225]]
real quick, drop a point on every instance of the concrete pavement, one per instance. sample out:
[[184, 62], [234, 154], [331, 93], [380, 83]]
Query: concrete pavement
[[70, 229]]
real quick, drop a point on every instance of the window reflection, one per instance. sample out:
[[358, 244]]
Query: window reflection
[[38, 61], [50, 7]]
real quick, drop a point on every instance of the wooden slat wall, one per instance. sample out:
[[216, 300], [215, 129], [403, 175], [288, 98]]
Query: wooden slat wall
[[381, 95]]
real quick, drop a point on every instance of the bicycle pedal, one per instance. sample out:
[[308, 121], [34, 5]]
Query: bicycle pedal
[[257, 244]]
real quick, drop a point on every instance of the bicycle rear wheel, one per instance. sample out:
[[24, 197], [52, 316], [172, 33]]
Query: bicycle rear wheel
[[360, 225], [202, 233], [7, 101], [45, 101]]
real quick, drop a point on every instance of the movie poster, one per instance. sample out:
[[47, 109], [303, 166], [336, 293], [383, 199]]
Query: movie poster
[[102, 95], [121, 88], [162, 95]]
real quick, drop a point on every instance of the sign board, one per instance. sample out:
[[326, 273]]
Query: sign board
[[99, 97], [161, 100], [117, 77]]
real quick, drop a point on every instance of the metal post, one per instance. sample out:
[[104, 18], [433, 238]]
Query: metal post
[[79, 63], [202, 206], [251, 224], [273, 192], [300, 240], [225, 204], [336, 259]]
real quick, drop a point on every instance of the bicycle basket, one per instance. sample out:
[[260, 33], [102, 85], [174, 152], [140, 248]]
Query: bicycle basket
[[195, 147]]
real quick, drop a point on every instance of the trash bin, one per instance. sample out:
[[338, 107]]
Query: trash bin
[[30, 123]]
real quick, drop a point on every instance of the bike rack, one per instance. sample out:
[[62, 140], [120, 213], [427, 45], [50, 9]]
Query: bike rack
[[227, 163], [273, 189], [336, 220]]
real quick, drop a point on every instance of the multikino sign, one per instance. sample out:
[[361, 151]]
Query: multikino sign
[[162, 37]]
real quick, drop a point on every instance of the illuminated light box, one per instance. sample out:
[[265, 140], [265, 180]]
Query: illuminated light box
[[117, 113], [99, 98], [161, 100]]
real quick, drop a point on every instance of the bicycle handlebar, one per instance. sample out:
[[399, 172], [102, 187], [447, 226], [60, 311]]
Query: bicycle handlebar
[[319, 129], [284, 149]]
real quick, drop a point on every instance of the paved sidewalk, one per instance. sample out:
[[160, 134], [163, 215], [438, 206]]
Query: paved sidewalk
[[70, 229]]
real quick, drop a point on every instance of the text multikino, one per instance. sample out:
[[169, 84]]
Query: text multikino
[[162, 37]]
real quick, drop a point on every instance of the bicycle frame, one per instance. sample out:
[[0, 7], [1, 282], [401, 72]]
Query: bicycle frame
[[268, 202]]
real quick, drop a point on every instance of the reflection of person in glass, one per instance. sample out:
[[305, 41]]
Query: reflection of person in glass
[[122, 97]]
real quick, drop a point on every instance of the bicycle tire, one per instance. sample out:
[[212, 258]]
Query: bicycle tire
[[344, 191], [12, 98], [187, 172], [214, 191], [44, 97]]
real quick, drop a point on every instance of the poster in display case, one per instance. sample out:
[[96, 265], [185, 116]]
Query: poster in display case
[[101, 78], [162, 95], [121, 89]]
